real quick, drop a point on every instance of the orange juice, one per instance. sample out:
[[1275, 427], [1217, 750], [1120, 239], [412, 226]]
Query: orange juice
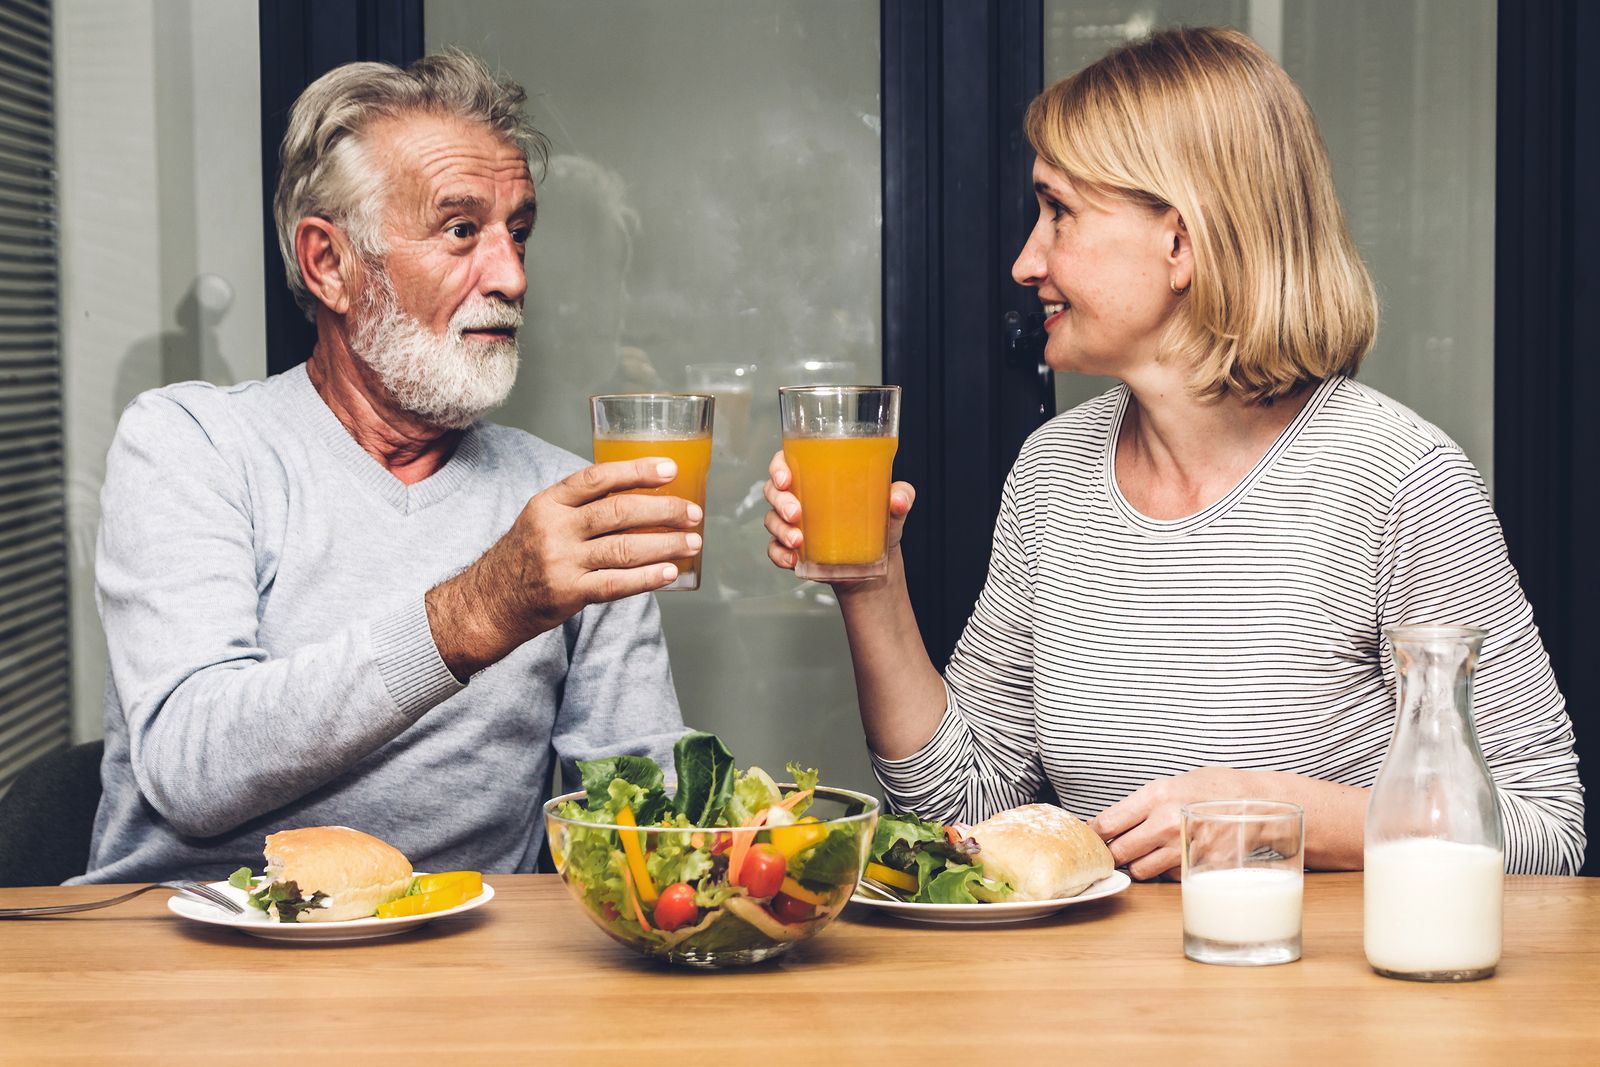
[[843, 486], [693, 457]]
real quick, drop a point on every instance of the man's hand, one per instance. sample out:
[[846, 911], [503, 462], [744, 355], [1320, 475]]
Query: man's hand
[[1144, 828], [574, 544]]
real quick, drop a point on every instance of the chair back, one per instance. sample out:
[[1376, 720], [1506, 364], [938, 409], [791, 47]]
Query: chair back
[[47, 817]]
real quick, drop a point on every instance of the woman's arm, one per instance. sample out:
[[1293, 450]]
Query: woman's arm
[[961, 747], [1143, 829], [901, 695]]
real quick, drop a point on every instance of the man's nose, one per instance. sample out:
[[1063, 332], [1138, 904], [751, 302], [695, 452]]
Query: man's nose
[[501, 272]]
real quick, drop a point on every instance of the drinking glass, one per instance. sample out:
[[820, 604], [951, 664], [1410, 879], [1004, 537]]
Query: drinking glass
[[733, 384], [675, 426], [1243, 877], [839, 442]]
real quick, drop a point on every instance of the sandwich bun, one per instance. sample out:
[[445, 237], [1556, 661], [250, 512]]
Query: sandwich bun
[[355, 871], [1042, 851]]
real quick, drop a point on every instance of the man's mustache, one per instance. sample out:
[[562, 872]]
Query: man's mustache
[[490, 315]]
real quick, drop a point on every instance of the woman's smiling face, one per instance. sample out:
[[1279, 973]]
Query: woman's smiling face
[[1104, 268]]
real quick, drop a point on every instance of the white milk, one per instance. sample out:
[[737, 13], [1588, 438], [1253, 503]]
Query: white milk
[[1243, 905], [1433, 905]]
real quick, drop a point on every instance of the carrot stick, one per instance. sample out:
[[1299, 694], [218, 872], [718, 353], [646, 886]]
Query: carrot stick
[[789, 802], [742, 842], [633, 898]]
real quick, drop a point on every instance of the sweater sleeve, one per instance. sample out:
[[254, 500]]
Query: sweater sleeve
[[618, 698], [984, 757], [218, 732], [1444, 562]]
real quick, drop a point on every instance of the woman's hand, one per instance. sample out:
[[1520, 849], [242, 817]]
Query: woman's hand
[[1144, 828], [783, 516]]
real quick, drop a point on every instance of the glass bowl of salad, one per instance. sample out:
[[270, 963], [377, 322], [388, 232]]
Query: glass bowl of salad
[[731, 868]]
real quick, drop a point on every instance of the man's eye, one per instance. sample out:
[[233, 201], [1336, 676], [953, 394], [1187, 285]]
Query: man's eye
[[520, 234], [462, 230]]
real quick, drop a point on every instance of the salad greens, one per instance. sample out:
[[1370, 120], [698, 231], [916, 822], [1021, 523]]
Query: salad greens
[[730, 862], [281, 900], [941, 860]]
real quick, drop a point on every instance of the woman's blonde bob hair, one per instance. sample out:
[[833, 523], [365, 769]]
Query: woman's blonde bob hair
[[1202, 120]]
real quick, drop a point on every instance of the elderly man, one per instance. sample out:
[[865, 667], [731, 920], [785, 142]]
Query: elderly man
[[337, 596]]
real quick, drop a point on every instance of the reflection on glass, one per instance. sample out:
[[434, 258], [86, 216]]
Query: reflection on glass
[[715, 211], [1404, 92]]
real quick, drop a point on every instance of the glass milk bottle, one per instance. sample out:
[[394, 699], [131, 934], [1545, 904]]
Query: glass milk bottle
[[1434, 858]]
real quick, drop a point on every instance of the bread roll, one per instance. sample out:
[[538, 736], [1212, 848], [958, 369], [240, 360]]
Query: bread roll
[[356, 871], [1042, 851]]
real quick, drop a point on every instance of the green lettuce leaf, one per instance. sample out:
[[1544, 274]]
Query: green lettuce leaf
[[832, 862], [951, 886], [598, 775], [753, 791], [705, 777]]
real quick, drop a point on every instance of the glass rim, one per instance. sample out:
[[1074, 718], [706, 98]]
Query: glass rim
[[1435, 632], [1268, 810], [873, 808], [652, 396], [837, 390]]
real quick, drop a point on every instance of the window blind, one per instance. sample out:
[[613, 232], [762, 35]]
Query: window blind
[[34, 633]]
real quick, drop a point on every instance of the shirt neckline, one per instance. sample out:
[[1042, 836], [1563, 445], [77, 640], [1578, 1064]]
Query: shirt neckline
[[405, 499], [1188, 524]]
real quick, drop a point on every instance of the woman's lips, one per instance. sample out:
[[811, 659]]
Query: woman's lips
[[1053, 313]]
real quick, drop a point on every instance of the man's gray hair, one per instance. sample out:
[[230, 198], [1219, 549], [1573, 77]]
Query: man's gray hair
[[324, 169]]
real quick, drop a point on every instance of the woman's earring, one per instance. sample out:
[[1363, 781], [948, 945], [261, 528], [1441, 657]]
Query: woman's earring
[[1175, 288]]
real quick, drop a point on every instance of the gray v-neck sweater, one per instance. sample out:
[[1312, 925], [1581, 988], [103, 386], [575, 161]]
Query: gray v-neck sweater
[[260, 578]]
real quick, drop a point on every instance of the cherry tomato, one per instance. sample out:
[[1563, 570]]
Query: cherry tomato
[[763, 871], [675, 907], [790, 910]]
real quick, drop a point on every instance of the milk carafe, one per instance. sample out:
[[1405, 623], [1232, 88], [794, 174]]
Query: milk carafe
[[1434, 858]]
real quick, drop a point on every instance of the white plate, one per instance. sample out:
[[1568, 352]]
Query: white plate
[[1013, 911], [256, 923]]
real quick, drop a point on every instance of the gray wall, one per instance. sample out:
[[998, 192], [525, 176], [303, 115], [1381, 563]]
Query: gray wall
[[158, 133]]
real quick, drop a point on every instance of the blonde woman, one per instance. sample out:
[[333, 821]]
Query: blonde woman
[[1190, 573]]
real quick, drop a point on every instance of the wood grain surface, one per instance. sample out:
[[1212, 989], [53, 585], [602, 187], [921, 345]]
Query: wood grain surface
[[528, 978]]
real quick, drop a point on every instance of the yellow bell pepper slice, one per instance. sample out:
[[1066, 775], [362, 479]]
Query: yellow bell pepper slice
[[422, 903], [891, 877], [795, 838], [799, 892], [635, 854], [470, 882]]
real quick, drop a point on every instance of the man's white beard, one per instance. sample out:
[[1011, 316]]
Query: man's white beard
[[447, 381]]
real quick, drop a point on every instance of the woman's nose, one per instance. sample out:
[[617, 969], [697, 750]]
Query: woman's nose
[[1029, 268]]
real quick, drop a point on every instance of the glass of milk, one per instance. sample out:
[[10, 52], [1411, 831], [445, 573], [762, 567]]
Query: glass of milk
[[1243, 876]]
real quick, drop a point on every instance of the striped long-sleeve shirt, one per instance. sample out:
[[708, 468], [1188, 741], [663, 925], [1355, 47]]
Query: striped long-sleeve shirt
[[1108, 649]]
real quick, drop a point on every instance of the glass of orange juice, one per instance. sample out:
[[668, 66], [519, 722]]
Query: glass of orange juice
[[676, 426], [839, 442]]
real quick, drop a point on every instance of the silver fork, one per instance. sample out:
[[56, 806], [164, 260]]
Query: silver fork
[[197, 889]]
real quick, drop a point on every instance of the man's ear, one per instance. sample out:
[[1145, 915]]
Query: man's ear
[[328, 263]]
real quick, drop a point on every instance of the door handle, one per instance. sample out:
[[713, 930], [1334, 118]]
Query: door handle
[[1024, 340]]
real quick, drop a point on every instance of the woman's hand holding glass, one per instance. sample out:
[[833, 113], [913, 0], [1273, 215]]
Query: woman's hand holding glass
[[783, 517]]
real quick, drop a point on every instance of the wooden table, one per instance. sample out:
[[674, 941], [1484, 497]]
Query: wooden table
[[529, 977]]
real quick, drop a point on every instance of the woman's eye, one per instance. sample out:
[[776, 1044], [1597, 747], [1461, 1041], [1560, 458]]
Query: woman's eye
[[1058, 211]]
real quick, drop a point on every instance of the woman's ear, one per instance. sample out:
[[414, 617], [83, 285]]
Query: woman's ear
[[1179, 250], [327, 263]]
